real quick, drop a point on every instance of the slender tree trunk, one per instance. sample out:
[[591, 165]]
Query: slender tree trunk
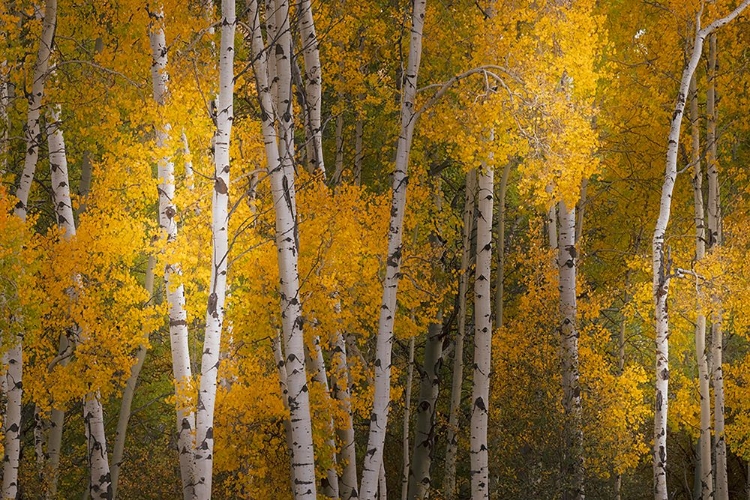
[[281, 368], [379, 417], [382, 484], [280, 161], [4, 115], [715, 240], [204, 437], [339, 149], [661, 262], [407, 423], [500, 242], [705, 472], [358, 150], [424, 435], [313, 84], [100, 482], [482, 337], [129, 392], [568, 265], [341, 384], [13, 385], [449, 490], [175, 293], [581, 208]]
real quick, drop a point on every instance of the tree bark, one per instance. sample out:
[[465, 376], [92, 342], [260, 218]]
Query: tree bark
[[500, 242], [379, 417], [449, 490], [407, 423], [482, 337], [204, 438], [341, 384], [573, 463], [313, 84]]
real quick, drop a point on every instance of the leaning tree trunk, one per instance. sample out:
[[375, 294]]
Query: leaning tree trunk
[[573, 487], [13, 385], [705, 471], [482, 337], [175, 292], [204, 438], [451, 451], [279, 155], [715, 240], [424, 435], [661, 263], [379, 418]]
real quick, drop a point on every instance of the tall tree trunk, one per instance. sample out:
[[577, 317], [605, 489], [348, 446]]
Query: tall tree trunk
[[568, 265], [705, 472], [128, 393], [13, 385], [661, 263], [280, 161], [175, 293], [500, 242], [424, 435], [339, 150], [341, 385], [715, 240], [379, 417], [482, 337], [358, 150], [313, 83], [449, 490], [382, 484], [407, 423], [100, 481], [281, 369], [204, 437]]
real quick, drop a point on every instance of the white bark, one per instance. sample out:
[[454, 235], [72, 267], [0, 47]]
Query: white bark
[[382, 484], [204, 438], [128, 393], [281, 370], [4, 116], [280, 158], [660, 262], [406, 425], [424, 435], [715, 240], [573, 471], [175, 292], [705, 471], [449, 490], [341, 384], [482, 337], [100, 482], [379, 416], [313, 84]]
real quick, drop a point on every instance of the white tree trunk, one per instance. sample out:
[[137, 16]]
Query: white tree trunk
[[281, 370], [204, 438], [382, 484], [449, 490], [100, 482], [705, 472], [567, 264], [482, 337], [661, 264], [406, 424], [424, 435], [313, 85], [379, 418], [279, 156], [341, 383], [175, 293]]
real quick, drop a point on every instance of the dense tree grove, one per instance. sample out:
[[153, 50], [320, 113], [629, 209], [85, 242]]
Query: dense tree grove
[[332, 249]]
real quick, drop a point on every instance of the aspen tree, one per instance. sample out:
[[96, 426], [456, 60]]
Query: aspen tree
[[313, 85], [204, 438], [661, 263], [279, 149], [704, 443], [451, 452], [500, 242], [379, 418], [407, 421], [341, 385], [13, 384], [173, 289]]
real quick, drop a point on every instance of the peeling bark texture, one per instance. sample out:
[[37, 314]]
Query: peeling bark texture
[[100, 480], [482, 337], [204, 437], [500, 242], [379, 416], [660, 261], [129, 392], [313, 85], [13, 385], [407, 419], [714, 241], [704, 469], [449, 479], [279, 150], [341, 386], [175, 293], [424, 436], [573, 463]]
